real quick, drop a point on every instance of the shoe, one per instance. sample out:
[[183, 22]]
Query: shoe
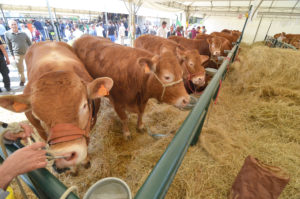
[[8, 89], [22, 83]]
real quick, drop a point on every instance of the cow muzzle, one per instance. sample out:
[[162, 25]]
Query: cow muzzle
[[199, 80]]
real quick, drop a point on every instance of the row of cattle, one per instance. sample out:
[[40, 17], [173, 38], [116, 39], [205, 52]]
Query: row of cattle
[[65, 84], [293, 39]]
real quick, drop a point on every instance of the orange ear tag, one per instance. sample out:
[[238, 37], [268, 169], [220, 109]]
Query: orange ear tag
[[147, 69], [102, 91], [19, 106]]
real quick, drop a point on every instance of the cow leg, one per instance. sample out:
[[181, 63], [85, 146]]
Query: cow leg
[[140, 124], [122, 114], [36, 123]]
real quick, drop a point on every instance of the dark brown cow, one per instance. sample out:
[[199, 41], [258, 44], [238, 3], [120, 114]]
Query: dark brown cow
[[138, 76], [191, 61], [58, 100]]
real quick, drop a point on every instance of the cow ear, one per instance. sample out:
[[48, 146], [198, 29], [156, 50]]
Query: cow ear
[[149, 65], [180, 54], [16, 103], [204, 58], [99, 87]]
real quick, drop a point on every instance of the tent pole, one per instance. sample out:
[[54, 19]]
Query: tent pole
[[269, 28], [257, 28], [49, 10], [4, 16]]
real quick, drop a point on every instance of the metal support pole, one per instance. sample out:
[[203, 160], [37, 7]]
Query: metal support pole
[[257, 29], [6, 23], [52, 22], [269, 28]]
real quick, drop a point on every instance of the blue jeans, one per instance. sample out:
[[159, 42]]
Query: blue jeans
[[112, 38], [43, 34]]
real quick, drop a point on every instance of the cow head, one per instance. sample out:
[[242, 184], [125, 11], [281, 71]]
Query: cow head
[[215, 46], [166, 78], [192, 65], [61, 102]]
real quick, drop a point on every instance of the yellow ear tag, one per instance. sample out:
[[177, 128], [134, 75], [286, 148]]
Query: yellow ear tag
[[147, 69], [102, 91], [19, 106]]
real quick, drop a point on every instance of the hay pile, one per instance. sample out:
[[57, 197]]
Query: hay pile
[[258, 113]]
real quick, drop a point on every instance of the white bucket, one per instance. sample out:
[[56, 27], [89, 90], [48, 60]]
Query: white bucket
[[109, 188]]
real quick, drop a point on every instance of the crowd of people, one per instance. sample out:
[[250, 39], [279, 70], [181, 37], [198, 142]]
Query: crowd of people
[[20, 34]]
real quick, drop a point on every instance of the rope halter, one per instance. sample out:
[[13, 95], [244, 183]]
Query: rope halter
[[166, 85]]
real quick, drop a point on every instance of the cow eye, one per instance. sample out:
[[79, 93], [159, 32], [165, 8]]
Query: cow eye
[[167, 78]]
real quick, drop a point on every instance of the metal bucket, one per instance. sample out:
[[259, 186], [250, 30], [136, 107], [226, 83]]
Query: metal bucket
[[109, 188]]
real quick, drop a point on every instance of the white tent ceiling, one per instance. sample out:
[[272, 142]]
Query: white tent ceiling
[[161, 8], [233, 7]]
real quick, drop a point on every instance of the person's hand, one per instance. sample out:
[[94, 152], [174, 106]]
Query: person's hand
[[23, 135], [26, 159], [7, 61], [14, 58], [22, 161]]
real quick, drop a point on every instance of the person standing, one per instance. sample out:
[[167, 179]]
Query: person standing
[[204, 30], [122, 33], [38, 25], [162, 31], [111, 32], [93, 30], [77, 33], [3, 67], [100, 30], [171, 32], [24, 29], [18, 43]]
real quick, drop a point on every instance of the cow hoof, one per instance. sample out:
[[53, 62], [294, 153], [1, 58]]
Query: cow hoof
[[127, 136], [142, 129]]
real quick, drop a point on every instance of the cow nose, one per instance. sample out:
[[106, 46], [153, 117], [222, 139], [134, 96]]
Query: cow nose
[[67, 160], [217, 53]]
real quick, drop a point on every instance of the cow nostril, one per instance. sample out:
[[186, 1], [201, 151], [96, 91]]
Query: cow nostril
[[71, 157]]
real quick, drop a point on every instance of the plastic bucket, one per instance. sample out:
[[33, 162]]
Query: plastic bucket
[[109, 188]]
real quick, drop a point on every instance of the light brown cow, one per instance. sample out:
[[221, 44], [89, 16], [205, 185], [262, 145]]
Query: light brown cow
[[191, 61], [58, 100], [138, 76]]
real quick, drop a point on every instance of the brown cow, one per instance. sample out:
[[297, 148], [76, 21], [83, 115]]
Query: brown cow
[[230, 37], [216, 45], [191, 61], [138, 76], [58, 100]]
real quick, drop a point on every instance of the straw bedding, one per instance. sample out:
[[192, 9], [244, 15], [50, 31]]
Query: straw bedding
[[257, 113]]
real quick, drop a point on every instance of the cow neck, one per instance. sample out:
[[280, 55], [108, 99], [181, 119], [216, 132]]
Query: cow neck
[[66, 132]]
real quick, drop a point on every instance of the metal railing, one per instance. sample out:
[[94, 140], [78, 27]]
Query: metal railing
[[274, 43], [159, 180]]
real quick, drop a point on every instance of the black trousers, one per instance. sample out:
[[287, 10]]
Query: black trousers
[[4, 72]]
